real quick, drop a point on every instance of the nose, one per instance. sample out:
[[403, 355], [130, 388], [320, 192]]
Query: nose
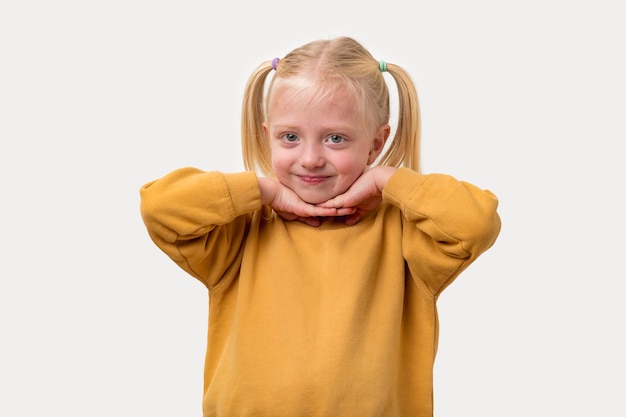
[[312, 155]]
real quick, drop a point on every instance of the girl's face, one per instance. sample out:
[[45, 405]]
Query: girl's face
[[319, 147]]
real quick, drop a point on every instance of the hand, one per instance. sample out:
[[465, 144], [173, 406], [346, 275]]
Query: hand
[[288, 205], [362, 196]]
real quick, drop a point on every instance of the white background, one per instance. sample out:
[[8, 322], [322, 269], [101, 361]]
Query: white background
[[98, 97]]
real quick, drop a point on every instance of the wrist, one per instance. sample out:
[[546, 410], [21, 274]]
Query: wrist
[[382, 176], [267, 187]]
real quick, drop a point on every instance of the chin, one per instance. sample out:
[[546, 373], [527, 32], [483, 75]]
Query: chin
[[314, 198]]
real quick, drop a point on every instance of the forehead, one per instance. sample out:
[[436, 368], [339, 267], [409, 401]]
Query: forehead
[[302, 95], [309, 91]]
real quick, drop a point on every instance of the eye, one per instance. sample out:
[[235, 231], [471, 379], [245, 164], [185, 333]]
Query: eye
[[290, 137], [335, 139]]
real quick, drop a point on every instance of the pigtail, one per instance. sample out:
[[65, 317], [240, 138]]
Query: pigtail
[[405, 146], [255, 148]]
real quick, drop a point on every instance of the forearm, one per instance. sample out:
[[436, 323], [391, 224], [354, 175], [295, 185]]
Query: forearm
[[454, 213], [188, 202]]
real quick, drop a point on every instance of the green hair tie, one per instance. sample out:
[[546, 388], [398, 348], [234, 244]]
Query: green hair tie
[[382, 66]]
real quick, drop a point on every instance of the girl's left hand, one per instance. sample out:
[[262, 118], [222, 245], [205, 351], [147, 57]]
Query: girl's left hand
[[364, 195]]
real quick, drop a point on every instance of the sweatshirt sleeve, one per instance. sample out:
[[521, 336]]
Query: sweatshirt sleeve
[[448, 224], [199, 219]]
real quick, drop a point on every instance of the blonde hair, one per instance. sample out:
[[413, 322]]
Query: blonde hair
[[328, 62]]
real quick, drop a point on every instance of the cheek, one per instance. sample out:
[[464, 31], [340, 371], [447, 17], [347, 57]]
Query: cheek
[[351, 165], [280, 161]]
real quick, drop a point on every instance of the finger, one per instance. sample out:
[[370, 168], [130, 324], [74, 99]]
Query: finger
[[325, 211], [336, 202], [286, 215], [311, 221], [345, 211], [353, 219]]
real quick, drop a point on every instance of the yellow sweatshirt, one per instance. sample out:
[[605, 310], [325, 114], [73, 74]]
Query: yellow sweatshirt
[[328, 321]]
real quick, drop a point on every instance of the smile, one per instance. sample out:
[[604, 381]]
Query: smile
[[312, 179]]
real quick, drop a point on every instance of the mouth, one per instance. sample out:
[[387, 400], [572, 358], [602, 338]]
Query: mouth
[[312, 179]]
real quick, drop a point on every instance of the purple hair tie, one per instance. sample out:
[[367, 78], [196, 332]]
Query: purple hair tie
[[275, 63]]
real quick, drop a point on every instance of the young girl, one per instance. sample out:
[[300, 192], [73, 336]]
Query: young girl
[[323, 274]]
